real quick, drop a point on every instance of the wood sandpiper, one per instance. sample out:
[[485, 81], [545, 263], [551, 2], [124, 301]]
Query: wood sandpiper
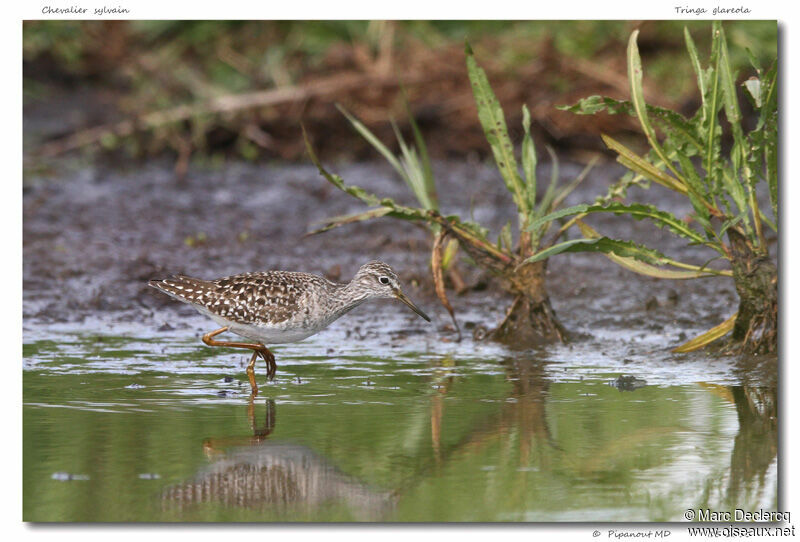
[[276, 307]]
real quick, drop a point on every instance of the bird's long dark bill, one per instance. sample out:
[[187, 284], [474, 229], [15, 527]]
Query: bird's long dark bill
[[402, 297]]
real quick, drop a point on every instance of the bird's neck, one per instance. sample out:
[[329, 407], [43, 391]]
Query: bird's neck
[[347, 297]]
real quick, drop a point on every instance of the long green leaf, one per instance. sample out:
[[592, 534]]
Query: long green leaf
[[413, 172], [504, 239], [740, 149], [771, 164], [397, 211], [493, 122], [338, 221], [646, 169], [695, 185], [605, 245], [528, 156], [768, 126], [555, 215], [550, 194], [430, 182], [636, 163], [769, 96], [637, 97], [637, 211], [669, 121], [641, 211], [558, 248], [338, 182], [733, 187], [711, 106], [698, 69], [704, 120], [641, 268], [637, 266], [374, 141], [728, 80], [754, 61]]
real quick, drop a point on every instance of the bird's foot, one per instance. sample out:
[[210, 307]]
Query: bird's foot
[[269, 358]]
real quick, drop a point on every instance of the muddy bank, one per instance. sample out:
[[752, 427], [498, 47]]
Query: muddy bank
[[92, 238]]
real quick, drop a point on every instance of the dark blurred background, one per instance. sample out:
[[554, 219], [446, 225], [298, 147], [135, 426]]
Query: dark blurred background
[[218, 90]]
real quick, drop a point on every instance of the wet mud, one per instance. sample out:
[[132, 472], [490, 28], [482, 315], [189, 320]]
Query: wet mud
[[94, 236]]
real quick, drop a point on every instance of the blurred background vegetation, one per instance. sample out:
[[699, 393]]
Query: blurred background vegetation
[[213, 90]]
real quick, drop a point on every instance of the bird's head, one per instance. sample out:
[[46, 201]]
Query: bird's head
[[378, 280]]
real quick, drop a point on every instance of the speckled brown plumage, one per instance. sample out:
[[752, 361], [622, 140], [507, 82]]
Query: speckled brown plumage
[[261, 298]]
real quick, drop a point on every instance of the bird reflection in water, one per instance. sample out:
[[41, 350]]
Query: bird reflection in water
[[256, 473]]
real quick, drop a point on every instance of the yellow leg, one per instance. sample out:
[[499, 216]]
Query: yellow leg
[[258, 350], [251, 373]]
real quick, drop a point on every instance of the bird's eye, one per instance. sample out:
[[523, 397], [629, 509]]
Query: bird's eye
[[384, 280]]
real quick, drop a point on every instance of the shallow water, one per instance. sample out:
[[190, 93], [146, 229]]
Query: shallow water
[[158, 427], [127, 416]]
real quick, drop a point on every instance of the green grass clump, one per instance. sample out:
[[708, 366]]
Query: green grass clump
[[687, 155], [530, 318]]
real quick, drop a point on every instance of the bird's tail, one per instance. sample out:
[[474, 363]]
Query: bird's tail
[[186, 289]]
